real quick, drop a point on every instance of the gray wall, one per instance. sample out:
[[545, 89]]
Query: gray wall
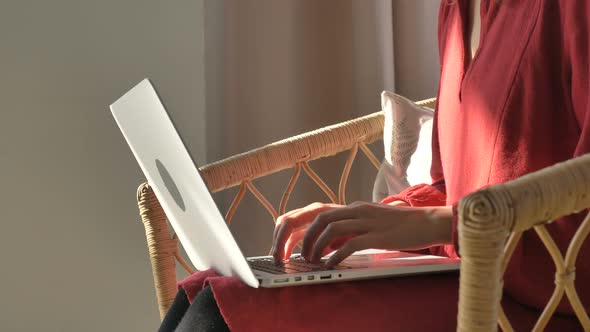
[[72, 247]]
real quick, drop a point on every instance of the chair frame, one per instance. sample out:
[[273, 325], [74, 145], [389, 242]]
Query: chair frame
[[491, 220]]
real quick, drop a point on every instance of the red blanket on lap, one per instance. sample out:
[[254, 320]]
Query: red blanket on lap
[[416, 303], [372, 305]]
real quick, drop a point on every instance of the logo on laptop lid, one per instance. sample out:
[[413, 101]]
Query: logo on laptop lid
[[170, 185]]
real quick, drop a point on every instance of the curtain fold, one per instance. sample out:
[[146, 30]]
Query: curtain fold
[[277, 68]]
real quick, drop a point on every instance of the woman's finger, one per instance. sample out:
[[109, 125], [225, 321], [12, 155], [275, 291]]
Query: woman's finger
[[280, 222], [293, 240], [293, 221], [281, 219], [286, 225], [321, 222], [285, 231], [336, 230], [360, 242]]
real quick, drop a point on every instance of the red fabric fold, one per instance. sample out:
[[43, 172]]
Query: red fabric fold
[[372, 305], [419, 195], [397, 304]]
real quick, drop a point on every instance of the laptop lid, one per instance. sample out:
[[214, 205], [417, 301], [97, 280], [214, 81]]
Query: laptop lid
[[177, 184]]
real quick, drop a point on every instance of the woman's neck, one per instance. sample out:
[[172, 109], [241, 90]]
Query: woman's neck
[[474, 25]]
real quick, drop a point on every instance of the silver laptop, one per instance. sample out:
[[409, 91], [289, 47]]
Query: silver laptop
[[190, 208]]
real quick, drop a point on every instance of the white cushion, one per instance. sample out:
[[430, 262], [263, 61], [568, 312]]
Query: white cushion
[[407, 136]]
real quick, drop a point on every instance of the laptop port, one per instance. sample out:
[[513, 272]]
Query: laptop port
[[278, 281], [326, 276], [310, 277], [297, 278]]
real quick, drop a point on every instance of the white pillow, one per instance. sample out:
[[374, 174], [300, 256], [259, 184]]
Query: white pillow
[[407, 136]]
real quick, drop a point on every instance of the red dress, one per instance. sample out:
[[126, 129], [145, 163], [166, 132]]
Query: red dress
[[519, 106]]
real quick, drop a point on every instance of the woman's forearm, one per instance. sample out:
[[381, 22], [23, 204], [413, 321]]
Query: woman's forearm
[[440, 219]]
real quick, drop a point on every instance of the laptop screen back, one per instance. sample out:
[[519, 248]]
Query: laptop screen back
[[177, 184]]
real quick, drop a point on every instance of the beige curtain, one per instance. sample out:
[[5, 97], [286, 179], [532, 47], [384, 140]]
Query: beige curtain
[[277, 68]]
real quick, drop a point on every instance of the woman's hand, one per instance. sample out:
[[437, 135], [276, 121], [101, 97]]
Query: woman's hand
[[291, 226], [364, 226]]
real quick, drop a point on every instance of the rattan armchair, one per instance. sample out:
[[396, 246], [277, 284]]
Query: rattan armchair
[[491, 221]]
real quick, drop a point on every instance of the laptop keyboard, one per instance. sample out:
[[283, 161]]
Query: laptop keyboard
[[295, 264]]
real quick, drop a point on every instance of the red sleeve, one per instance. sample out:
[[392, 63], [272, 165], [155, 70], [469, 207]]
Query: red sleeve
[[577, 42], [436, 170], [439, 187], [419, 195]]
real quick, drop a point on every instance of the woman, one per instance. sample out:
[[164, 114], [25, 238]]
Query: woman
[[513, 98]]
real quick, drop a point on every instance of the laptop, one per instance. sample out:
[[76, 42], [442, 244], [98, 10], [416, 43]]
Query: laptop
[[200, 226]]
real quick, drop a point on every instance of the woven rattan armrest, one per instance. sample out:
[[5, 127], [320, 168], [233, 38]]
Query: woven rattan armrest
[[491, 222]]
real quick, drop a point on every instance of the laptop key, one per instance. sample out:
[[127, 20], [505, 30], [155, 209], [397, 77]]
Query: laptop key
[[274, 269], [296, 264]]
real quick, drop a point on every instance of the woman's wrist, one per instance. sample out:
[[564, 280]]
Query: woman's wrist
[[440, 220]]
